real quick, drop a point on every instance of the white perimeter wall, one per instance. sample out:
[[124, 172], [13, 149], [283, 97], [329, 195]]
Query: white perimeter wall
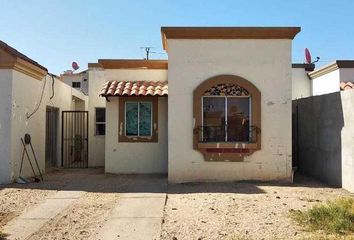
[[327, 83], [301, 84], [267, 64], [25, 95]]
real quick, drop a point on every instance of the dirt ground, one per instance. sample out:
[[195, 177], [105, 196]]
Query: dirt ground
[[241, 210], [82, 219], [193, 211]]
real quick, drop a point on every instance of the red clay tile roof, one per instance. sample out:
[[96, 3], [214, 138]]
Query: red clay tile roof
[[346, 85], [13, 52], [136, 88]]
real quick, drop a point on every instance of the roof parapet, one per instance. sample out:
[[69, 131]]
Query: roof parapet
[[227, 33]]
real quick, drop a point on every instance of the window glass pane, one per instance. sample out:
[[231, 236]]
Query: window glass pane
[[131, 119], [100, 115], [100, 129], [76, 84], [145, 119], [213, 119], [238, 119]]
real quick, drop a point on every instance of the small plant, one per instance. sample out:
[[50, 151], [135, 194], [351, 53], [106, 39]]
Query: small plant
[[335, 217]]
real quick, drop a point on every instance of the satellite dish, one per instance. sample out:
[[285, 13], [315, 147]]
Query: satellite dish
[[75, 66], [308, 56]]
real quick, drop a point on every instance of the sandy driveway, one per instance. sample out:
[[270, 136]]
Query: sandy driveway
[[240, 210]]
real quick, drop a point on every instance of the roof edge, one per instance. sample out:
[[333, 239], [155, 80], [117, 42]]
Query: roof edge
[[130, 64], [331, 67], [227, 33], [306, 66]]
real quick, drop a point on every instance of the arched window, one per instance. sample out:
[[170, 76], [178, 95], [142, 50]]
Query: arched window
[[227, 115]]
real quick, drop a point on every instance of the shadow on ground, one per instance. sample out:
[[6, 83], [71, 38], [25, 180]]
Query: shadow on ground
[[94, 180]]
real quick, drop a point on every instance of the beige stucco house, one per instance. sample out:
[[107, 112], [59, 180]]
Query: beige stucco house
[[219, 109]]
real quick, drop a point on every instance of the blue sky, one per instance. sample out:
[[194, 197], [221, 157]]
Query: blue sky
[[57, 32]]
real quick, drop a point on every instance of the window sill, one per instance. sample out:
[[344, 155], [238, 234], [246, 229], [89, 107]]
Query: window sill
[[227, 152], [152, 139], [230, 145]]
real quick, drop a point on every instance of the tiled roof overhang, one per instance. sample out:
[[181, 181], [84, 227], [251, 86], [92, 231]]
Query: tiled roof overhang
[[346, 86], [136, 88]]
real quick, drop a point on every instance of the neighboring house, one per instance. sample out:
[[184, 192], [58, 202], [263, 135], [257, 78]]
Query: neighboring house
[[76, 80], [333, 77], [32, 101]]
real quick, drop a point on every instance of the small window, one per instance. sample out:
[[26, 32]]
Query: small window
[[138, 119], [100, 121], [76, 84]]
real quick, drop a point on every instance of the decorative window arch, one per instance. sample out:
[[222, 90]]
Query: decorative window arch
[[227, 118]]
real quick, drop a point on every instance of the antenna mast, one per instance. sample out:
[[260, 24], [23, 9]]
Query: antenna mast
[[147, 52]]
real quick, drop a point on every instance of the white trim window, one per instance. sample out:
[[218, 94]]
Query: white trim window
[[138, 119], [226, 119], [100, 121]]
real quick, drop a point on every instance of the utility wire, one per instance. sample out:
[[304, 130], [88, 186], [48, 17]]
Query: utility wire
[[40, 100], [52, 87]]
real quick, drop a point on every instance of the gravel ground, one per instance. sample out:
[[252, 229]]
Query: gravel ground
[[193, 211], [241, 210]]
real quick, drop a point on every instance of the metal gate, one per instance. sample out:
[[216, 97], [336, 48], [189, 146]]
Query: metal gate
[[74, 141], [51, 140]]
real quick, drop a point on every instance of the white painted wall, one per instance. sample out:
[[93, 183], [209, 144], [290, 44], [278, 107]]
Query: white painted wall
[[5, 125], [25, 94], [301, 84], [124, 157], [327, 83], [267, 64]]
